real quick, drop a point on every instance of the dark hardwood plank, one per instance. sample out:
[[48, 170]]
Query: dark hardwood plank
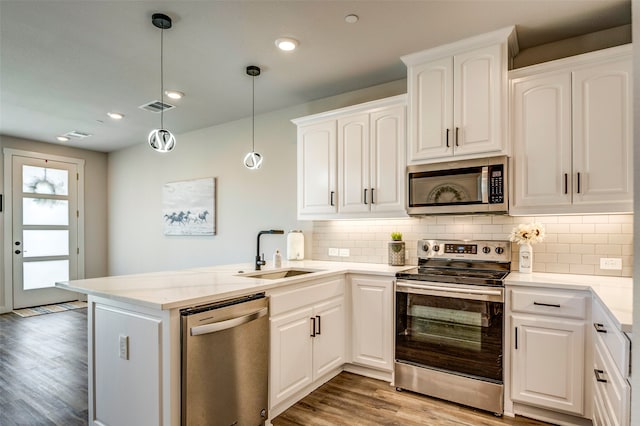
[[353, 400], [43, 369]]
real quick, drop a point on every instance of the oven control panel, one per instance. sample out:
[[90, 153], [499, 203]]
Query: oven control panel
[[489, 250]]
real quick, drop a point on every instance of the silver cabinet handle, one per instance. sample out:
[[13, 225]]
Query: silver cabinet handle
[[227, 324], [598, 374], [600, 328]]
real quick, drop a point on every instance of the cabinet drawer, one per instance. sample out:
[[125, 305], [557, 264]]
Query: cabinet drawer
[[609, 385], [558, 303], [614, 340], [303, 295], [600, 415]]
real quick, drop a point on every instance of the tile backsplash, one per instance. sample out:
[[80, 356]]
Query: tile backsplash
[[573, 244]]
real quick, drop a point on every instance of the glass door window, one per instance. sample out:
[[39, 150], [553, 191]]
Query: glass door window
[[454, 335]]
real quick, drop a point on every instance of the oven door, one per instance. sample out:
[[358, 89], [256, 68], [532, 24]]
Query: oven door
[[451, 328]]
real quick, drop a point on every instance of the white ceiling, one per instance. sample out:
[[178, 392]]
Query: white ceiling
[[64, 64]]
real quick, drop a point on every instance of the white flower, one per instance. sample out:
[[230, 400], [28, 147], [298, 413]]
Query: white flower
[[529, 233]]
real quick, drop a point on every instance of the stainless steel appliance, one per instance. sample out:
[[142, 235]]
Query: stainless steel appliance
[[449, 322], [225, 362], [459, 187]]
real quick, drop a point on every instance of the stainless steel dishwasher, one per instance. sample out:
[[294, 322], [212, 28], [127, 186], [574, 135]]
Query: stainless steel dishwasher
[[225, 349]]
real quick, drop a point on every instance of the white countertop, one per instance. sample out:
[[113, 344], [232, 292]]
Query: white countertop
[[188, 287], [615, 293]]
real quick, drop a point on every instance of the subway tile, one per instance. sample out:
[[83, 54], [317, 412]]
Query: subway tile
[[581, 228], [609, 249], [596, 219], [627, 249], [567, 258], [569, 219], [608, 228], [549, 257], [558, 248], [569, 238], [621, 218], [621, 238], [595, 238], [583, 248], [590, 259], [582, 269], [481, 219], [545, 220], [608, 272], [558, 268]]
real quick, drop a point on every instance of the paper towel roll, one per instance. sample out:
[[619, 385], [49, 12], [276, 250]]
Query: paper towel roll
[[295, 245]]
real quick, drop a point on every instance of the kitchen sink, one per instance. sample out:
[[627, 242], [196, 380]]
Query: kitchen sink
[[283, 273]]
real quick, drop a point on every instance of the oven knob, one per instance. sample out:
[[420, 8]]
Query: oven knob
[[499, 250], [436, 248], [486, 250], [425, 247]]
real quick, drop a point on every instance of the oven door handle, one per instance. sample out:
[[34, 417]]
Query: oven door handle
[[460, 293]]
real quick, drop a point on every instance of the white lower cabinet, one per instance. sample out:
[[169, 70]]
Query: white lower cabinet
[[548, 363], [611, 354], [548, 350], [307, 337], [372, 321]]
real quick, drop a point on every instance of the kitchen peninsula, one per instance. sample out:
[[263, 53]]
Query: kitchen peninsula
[[141, 383]]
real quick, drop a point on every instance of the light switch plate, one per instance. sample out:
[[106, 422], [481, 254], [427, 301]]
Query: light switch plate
[[124, 346], [334, 252], [611, 263], [344, 252]]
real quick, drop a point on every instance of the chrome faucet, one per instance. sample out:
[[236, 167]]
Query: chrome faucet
[[260, 259]]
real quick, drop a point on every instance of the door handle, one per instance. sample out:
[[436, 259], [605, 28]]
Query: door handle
[[516, 338], [372, 200], [331, 198], [365, 195], [319, 326], [457, 136], [313, 327], [566, 183], [447, 139], [578, 182], [598, 374], [600, 328], [550, 305], [227, 324]]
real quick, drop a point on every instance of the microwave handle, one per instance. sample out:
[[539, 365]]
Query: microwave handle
[[484, 185]]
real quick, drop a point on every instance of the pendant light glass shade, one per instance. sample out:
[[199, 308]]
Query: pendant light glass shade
[[161, 140], [253, 160]]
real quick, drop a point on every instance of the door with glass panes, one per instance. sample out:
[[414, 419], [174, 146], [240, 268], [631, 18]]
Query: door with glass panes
[[45, 230]]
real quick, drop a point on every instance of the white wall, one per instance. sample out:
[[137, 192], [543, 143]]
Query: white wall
[[95, 206], [247, 201]]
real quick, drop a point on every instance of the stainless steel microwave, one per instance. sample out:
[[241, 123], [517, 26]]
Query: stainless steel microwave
[[459, 187]]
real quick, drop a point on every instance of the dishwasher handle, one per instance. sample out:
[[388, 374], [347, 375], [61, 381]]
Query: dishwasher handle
[[227, 324]]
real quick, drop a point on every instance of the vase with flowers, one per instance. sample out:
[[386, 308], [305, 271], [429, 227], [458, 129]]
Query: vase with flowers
[[525, 235]]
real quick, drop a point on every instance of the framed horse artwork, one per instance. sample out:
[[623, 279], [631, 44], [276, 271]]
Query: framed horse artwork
[[189, 207]]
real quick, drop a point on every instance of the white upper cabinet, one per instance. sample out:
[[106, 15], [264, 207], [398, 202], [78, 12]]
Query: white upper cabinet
[[351, 162], [458, 98], [571, 127]]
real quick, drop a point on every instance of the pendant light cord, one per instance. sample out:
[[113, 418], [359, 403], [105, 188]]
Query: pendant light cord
[[253, 113], [162, 77]]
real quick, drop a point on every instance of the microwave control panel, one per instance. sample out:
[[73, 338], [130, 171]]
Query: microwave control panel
[[496, 184]]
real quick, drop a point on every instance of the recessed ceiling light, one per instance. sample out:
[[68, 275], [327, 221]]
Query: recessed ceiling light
[[116, 115], [62, 138], [287, 44], [351, 18], [174, 94]]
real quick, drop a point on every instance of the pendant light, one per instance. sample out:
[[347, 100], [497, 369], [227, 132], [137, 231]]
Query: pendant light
[[161, 139], [253, 160]]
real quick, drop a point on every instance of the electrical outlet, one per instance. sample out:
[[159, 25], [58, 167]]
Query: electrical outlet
[[610, 263], [124, 346], [344, 252], [334, 252]]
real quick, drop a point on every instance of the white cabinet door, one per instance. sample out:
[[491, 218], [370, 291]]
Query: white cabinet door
[[291, 354], [329, 340], [602, 133], [353, 164], [478, 88], [541, 117], [548, 363], [372, 322], [431, 107], [317, 168], [387, 156]]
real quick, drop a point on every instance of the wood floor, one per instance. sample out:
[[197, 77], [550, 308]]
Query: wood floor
[[43, 369], [43, 381], [354, 400]]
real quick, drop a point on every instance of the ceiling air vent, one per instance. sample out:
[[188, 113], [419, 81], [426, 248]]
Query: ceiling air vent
[[156, 106], [76, 134]]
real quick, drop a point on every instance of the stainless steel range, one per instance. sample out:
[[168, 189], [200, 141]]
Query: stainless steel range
[[449, 322]]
